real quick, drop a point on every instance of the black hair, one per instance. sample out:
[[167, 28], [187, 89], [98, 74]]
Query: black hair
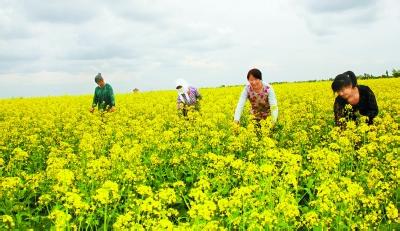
[[348, 78], [255, 73], [98, 78]]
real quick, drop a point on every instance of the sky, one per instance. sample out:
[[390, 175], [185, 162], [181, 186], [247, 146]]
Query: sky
[[52, 47]]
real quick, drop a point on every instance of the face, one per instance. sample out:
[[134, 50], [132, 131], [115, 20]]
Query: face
[[345, 92], [254, 82], [101, 83]]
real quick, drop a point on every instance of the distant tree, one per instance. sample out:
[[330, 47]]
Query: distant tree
[[135, 90], [396, 73], [367, 76]]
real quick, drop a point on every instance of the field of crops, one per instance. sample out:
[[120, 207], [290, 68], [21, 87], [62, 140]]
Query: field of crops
[[145, 167]]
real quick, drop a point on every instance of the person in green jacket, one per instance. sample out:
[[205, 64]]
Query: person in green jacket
[[103, 95]]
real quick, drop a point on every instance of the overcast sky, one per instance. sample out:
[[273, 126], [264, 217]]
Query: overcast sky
[[57, 47]]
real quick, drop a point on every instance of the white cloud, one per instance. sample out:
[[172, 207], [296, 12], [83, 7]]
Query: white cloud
[[330, 17], [338, 5], [201, 63], [149, 43]]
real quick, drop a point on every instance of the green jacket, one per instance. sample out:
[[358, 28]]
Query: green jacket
[[103, 97]]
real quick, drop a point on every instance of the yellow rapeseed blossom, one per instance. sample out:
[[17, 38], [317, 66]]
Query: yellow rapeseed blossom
[[8, 221], [144, 190], [108, 193], [167, 195], [392, 213], [74, 201], [311, 219], [60, 219], [147, 167]]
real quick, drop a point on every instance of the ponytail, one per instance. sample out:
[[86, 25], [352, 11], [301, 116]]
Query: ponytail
[[352, 77], [348, 78]]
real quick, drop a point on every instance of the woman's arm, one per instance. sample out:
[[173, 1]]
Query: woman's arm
[[338, 111], [240, 105], [373, 106], [273, 103], [179, 103], [95, 99]]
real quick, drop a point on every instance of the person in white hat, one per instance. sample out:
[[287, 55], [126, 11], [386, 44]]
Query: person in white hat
[[187, 96]]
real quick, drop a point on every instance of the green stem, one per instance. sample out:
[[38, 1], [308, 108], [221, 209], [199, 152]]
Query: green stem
[[105, 218]]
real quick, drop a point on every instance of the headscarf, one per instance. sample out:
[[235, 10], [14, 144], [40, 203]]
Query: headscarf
[[183, 90]]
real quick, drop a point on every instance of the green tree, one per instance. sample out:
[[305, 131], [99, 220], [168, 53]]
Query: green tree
[[396, 73]]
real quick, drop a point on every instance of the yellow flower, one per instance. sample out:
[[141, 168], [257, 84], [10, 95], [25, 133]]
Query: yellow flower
[[167, 195], [374, 177], [150, 205], [60, 218], [99, 168], [108, 193], [311, 219], [20, 155], [392, 213], [223, 204], [74, 201], [324, 160], [146, 167], [44, 199], [8, 220], [178, 184], [155, 159], [204, 210], [65, 176], [8, 185], [124, 221], [144, 190], [290, 210]]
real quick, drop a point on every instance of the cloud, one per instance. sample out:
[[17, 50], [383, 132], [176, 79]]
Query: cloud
[[102, 52], [81, 11], [76, 34], [144, 11], [12, 25], [202, 63], [325, 18], [199, 38], [148, 43], [336, 6], [57, 11]]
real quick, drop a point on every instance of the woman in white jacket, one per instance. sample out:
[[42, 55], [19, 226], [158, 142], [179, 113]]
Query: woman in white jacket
[[261, 96]]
